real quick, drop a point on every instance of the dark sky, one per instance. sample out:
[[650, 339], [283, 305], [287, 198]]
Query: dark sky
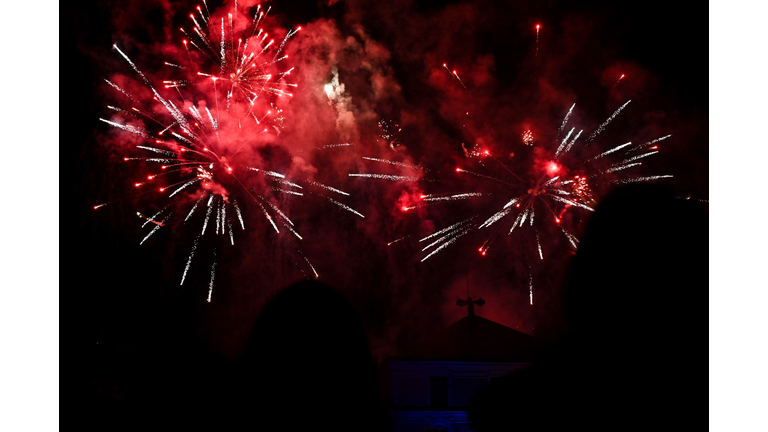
[[389, 55]]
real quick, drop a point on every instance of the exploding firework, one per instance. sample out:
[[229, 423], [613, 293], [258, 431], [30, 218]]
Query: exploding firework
[[544, 193], [212, 159], [552, 184]]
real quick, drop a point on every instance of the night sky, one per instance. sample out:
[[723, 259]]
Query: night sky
[[123, 300], [389, 56]]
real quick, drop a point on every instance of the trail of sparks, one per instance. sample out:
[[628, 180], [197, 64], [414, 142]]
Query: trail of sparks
[[345, 207], [120, 90], [386, 177], [189, 260], [538, 244], [400, 164], [463, 233], [462, 196], [327, 146], [239, 214], [597, 132], [398, 240], [615, 149], [194, 207], [641, 179], [157, 227], [213, 274], [152, 219], [530, 287], [447, 229], [328, 188]]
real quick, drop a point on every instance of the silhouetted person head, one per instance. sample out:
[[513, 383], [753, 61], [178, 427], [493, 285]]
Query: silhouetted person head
[[641, 266], [636, 300], [308, 366]]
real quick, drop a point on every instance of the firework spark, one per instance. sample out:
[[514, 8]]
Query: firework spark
[[550, 189], [207, 149]]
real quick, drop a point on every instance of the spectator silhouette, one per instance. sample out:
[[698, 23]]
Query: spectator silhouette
[[307, 366], [636, 354]]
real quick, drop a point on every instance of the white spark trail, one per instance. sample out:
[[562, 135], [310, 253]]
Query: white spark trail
[[594, 134], [127, 128], [287, 191], [632, 159], [207, 215], [525, 215], [182, 138], [312, 267], [573, 203], [269, 173], [120, 90], [345, 207], [447, 229], [218, 216], [614, 169], [157, 150], [223, 216], [213, 274], [158, 160], [571, 238], [157, 227], [615, 149], [279, 180], [648, 144], [565, 120], [538, 243], [446, 244], [641, 179], [513, 201], [514, 224], [395, 241], [530, 287], [269, 218], [194, 207], [386, 177], [400, 164], [327, 187], [277, 210], [334, 146], [455, 197], [239, 214], [154, 218], [191, 182], [146, 81], [563, 144], [573, 141], [292, 231], [189, 261], [441, 239]]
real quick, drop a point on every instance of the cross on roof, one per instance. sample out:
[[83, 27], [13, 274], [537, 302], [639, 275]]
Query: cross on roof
[[469, 302]]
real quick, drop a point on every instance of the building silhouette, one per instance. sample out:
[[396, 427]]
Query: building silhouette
[[431, 386]]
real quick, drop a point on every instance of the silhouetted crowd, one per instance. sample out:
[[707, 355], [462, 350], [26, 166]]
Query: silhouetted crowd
[[635, 356]]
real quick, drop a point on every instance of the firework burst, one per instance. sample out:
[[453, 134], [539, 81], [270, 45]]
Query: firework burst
[[542, 195], [554, 183], [205, 141]]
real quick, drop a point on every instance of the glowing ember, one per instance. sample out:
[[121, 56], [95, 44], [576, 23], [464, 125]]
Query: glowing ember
[[527, 138]]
